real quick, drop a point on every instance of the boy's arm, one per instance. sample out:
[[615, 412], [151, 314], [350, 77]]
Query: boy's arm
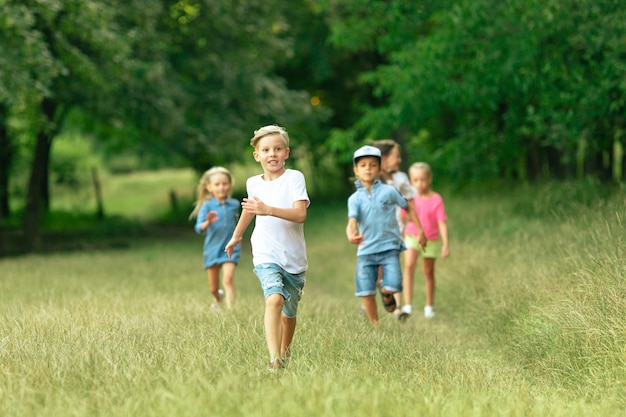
[[443, 234], [352, 232], [296, 214], [243, 223], [421, 237]]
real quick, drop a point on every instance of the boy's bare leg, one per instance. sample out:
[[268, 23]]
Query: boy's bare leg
[[369, 303], [273, 324], [379, 278], [289, 328]]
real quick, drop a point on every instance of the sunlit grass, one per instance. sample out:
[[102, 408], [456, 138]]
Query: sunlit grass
[[529, 322], [143, 195]]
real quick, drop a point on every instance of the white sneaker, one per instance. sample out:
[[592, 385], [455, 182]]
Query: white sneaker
[[407, 308], [216, 306], [429, 312]]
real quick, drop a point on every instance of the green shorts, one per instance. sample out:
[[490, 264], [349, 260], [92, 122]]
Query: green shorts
[[433, 247]]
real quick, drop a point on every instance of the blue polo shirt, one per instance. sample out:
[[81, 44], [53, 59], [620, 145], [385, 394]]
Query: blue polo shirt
[[375, 212]]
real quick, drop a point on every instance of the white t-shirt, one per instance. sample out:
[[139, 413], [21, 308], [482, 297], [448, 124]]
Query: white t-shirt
[[276, 240], [402, 183]]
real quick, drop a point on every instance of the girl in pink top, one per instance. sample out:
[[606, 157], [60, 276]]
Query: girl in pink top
[[432, 215]]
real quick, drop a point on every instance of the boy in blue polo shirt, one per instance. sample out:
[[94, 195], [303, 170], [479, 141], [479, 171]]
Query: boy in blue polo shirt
[[373, 226]]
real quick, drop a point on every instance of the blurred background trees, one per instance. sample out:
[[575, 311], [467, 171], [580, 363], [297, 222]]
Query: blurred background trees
[[482, 89], [502, 88]]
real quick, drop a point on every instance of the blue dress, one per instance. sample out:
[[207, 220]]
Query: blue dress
[[218, 234]]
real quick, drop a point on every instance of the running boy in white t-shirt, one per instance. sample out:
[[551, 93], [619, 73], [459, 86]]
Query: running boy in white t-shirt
[[279, 200]]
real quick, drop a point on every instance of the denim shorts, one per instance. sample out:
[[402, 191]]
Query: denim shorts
[[367, 272], [275, 280]]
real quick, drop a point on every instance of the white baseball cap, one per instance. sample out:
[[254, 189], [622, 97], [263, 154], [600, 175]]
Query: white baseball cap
[[366, 150]]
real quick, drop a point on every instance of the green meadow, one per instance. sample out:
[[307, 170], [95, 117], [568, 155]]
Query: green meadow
[[530, 318]]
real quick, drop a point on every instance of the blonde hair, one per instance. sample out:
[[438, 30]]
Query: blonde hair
[[202, 192], [421, 165], [269, 130]]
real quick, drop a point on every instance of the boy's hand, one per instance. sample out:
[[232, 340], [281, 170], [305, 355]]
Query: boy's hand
[[352, 232], [355, 238], [230, 247], [255, 206]]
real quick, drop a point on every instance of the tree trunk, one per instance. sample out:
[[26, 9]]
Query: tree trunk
[[38, 176], [32, 211], [98, 190], [44, 185]]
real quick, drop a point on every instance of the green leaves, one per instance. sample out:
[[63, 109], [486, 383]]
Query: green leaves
[[525, 78], [26, 63]]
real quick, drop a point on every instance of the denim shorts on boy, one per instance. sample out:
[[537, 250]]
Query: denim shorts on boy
[[433, 247], [275, 280], [367, 272]]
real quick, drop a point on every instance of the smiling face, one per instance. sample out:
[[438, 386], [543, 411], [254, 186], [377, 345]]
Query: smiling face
[[367, 169], [220, 186], [271, 152]]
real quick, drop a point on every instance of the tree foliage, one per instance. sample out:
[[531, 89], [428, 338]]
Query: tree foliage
[[225, 55], [482, 89], [496, 88], [26, 68], [187, 79]]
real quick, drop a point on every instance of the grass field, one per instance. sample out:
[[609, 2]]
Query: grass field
[[530, 322]]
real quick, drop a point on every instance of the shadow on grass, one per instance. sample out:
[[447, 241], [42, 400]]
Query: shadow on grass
[[63, 232]]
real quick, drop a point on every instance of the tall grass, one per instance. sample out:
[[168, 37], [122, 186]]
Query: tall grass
[[530, 321]]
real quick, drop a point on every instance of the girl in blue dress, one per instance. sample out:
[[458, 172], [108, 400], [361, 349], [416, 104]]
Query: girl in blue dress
[[216, 214]]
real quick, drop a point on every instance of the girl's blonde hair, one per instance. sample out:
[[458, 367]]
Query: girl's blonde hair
[[421, 165], [269, 130], [202, 192]]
